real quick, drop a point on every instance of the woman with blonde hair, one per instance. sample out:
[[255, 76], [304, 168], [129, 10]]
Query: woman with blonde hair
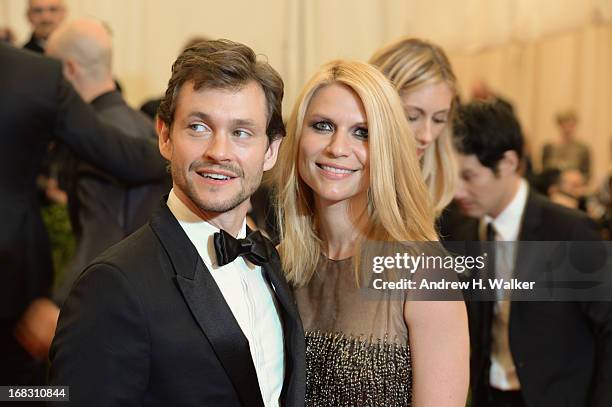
[[350, 175], [422, 75]]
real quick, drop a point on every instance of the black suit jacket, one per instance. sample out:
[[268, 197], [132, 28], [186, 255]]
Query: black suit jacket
[[33, 45], [37, 106], [102, 209], [562, 350], [146, 325]]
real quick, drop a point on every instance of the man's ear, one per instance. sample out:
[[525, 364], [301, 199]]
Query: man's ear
[[163, 138], [509, 164], [70, 69], [272, 154]]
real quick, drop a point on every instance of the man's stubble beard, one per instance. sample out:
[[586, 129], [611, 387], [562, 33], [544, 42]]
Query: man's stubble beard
[[245, 192]]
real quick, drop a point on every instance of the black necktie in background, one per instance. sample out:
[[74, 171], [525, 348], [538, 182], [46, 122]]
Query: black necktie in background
[[490, 232], [490, 236], [253, 248]]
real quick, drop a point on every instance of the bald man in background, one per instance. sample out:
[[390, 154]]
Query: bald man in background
[[44, 17], [102, 209]]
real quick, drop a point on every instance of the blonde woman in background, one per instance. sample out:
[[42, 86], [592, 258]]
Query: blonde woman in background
[[422, 75], [349, 174]]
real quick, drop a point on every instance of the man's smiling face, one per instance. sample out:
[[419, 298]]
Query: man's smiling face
[[217, 146]]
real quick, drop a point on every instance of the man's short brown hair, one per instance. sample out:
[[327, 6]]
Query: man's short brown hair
[[224, 64]]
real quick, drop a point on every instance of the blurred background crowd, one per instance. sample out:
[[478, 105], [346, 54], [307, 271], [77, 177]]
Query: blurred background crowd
[[548, 60]]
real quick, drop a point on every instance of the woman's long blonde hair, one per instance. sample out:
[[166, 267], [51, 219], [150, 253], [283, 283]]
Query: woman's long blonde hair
[[399, 207], [409, 64]]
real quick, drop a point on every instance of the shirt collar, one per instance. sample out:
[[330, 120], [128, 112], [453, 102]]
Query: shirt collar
[[507, 223], [199, 231]]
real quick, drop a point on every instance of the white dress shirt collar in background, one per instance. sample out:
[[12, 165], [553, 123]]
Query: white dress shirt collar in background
[[508, 223]]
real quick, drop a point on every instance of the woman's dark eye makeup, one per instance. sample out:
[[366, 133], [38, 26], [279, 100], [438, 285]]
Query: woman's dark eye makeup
[[361, 132], [322, 126], [325, 126]]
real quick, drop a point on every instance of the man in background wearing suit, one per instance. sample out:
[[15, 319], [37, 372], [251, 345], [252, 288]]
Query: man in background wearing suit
[[102, 210], [524, 353], [44, 17], [38, 106], [193, 309]]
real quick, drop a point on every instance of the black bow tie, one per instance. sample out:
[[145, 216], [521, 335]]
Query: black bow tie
[[253, 248]]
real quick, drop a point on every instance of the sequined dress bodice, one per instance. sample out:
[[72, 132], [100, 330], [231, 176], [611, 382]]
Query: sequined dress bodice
[[357, 351]]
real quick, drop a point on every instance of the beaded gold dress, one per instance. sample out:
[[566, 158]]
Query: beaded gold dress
[[357, 349]]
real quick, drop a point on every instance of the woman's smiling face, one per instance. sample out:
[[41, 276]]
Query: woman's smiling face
[[333, 147]]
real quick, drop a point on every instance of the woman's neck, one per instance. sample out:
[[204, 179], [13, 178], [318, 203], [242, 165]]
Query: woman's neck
[[340, 225]]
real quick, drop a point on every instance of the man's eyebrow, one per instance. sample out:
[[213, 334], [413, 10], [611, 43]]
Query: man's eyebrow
[[199, 115], [244, 122], [234, 122]]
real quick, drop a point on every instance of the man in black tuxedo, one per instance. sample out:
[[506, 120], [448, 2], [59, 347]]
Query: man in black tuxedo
[[38, 105], [182, 312], [524, 353], [102, 210]]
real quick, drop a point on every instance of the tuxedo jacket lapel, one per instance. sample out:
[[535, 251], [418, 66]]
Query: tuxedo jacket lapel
[[208, 307], [216, 320], [294, 385], [273, 273], [293, 392], [530, 230], [531, 222], [281, 289]]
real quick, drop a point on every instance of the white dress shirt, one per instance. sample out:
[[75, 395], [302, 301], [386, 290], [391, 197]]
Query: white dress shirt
[[249, 297], [507, 227]]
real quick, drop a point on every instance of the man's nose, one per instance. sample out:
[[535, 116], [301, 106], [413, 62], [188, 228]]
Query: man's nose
[[219, 147], [460, 191]]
